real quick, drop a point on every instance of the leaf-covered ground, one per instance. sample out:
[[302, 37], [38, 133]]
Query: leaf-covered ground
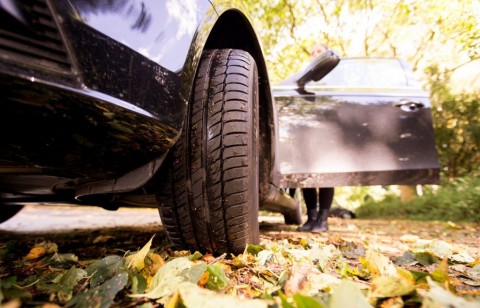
[[358, 263]]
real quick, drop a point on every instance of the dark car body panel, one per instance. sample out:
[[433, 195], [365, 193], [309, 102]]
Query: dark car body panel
[[94, 93], [343, 136]]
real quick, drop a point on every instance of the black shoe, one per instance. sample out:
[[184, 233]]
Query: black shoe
[[321, 223], [311, 221]]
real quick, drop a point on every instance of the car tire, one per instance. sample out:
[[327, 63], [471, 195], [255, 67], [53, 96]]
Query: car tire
[[8, 211], [211, 197]]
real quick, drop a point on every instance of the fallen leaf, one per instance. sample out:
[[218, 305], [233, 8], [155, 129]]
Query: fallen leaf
[[41, 249], [217, 280], [440, 274], [347, 294], [167, 279], [104, 269], [379, 265], [474, 273], [440, 249], [103, 239], [102, 295], [302, 301], [192, 296], [36, 252], [298, 278], [409, 238], [389, 286], [439, 297], [137, 260]]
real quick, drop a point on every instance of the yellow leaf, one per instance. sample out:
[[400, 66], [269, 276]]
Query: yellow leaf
[[154, 262], [440, 274], [36, 252], [388, 286], [41, 249], [174, 301], [379, 265], [203, 279], [137, 260]]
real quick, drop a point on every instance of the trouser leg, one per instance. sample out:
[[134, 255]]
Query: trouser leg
[[326, 199]]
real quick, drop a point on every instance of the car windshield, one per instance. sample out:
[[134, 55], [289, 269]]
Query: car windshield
[[369, 72]]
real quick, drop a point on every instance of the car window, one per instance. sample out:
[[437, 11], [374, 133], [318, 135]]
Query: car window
[[368, 72]]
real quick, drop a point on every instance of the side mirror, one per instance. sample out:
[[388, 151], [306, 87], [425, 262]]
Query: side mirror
[[319, 68]]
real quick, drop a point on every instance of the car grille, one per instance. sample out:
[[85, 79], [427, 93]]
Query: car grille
[[39, 44]]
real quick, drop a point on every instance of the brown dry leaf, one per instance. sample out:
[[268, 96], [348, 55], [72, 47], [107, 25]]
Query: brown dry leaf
[[298, 278], [103, 239], [208, 258]]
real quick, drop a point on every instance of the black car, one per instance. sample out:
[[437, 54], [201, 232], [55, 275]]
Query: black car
[[354, 122], [140, 103]]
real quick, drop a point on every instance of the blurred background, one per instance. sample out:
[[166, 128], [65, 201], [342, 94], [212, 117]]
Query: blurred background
[[440, 39]]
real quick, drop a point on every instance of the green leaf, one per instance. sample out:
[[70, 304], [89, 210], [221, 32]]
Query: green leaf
[[10, 290], [166, 280], [284, 300], [138, 282], [66, 283], [418, 276], [103, 295], [65, 260], [196, 256], [104, 269], [425, 259], [347, 294], [217, 280], [254, 249], [407, 258], [302, 301], [194, 273]]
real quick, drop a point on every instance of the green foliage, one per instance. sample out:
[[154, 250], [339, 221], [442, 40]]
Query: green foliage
[[457, 127], [422, 32], [454, 201]]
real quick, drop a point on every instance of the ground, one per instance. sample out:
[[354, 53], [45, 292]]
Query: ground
[[404, 244]]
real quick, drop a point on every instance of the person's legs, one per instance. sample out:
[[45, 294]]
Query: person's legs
[[325, 199], [310, 197], [291, 192]]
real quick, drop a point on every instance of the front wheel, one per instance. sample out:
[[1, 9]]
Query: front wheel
[[210, 199]]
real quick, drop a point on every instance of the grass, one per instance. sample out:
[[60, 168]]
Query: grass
[[458, 200]]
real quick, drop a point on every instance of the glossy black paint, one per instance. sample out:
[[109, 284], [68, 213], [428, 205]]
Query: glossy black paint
[[112, 102], [343, 136]]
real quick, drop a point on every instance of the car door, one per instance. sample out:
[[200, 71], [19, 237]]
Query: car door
[[368, 122]]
